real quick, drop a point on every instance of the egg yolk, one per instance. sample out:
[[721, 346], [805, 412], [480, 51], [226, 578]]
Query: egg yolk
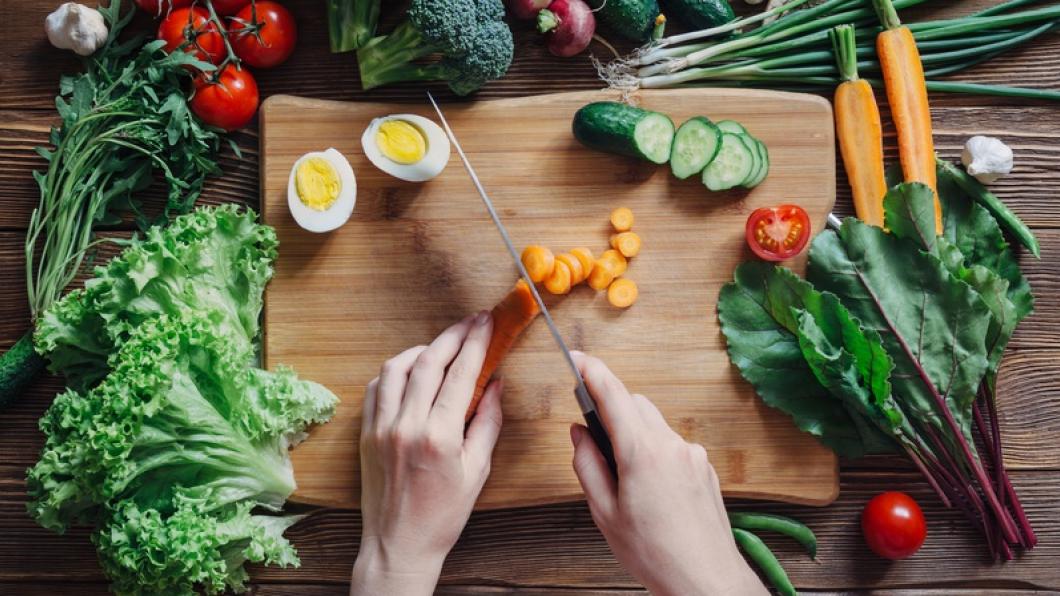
[[401, 142], [317, 183]]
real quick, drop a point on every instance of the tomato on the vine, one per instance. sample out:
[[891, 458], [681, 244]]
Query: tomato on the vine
[[778, 233], [161, 8], [263, 34], [192, 26], [893, 525], [230, 102], [229, 7]]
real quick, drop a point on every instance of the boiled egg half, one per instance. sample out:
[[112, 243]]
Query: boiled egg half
[[321, 191], [406, 146]]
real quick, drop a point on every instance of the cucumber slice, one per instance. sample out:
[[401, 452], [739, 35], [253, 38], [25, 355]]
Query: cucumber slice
[[695, 145], [619, 128], [732, 126], [752, 146], [730, 166], [763, 157]]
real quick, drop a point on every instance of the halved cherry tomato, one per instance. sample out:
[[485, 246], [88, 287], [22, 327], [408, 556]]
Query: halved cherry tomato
[[161, 8], [778, 233], [263, 34], [229, 103], [893, 525], [229, 7], [192, 25]]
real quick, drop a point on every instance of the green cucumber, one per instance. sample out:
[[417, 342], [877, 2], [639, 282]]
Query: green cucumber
[[699, 14], [18, 366], [626, 130], [763, 157], [731, 166], [634, 19], [695, 145], [732, 126], [758, 164]]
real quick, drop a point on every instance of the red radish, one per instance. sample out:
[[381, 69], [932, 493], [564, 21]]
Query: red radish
[[526, 9], [568, 26]]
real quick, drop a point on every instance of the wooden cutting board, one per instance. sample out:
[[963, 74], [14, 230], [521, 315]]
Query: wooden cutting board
[[415, 258]]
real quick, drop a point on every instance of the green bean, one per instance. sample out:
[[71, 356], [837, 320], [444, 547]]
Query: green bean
[[777, 523], [765, 560], [1008, 220]]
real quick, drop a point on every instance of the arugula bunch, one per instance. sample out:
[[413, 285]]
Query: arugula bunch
[[893, 342]]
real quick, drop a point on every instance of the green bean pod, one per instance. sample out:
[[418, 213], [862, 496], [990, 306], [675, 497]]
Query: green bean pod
[[765, 560], [777, 523]]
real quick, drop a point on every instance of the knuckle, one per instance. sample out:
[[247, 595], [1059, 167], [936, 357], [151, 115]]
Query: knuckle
[[460, 369], [427, 359]]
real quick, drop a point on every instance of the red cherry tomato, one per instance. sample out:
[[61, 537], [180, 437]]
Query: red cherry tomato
[[161, 8], [229, 103], [229, 7], [778, 233], [275, 38], [893, 525], [192, 25]]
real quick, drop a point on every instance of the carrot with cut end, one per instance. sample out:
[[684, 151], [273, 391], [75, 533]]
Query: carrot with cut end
[[858, 128], [538, 261], [511, 317], [602, 275], [577, 273], [618, 261], [622, 293], [586, 258], [622, 219], [560, 280], [903, 77], [627, 243]]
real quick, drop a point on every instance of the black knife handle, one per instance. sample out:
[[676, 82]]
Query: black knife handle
[[603, 442]]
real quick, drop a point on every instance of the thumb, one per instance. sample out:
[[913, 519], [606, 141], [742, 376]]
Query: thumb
[[595, 477]]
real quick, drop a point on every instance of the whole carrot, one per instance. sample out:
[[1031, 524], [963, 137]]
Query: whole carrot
[[903, 77], [858, 129]]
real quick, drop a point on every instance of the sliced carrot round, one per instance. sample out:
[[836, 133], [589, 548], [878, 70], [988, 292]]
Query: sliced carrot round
[[538, 261], [618, 260], [559, 281], [612, 240], [622, 293], [627, 243], [577, 272], [622, 219], [588, 261], [602, 275]]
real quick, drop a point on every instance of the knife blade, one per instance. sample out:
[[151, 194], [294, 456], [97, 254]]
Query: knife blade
[[581, 393]]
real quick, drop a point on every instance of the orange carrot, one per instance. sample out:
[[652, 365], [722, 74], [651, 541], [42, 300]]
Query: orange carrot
[[511, 317], [903, 76], [858, 129], [560, 280], [588, 261], [602, 275], [577, 273], [627, 243], [617, 259], [622, 219], [538, 261], [622, 293]]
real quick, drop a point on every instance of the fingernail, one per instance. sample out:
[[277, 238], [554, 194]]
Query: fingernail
[[575, 435], [482, 318]]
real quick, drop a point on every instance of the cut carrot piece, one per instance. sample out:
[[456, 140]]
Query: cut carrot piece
[[602, 275], [612, 240], [622, 219], [511, 317], [622, 293], [618, 259], [560, 280], [538, 261], [627, 243], [588, 261], [577, 273]]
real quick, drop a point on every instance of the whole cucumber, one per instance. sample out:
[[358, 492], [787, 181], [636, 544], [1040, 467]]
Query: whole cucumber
[[700, 14], [18, 366], [634, 19]]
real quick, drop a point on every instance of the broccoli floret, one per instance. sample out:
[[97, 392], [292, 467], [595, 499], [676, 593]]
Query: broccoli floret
[[474, 44]]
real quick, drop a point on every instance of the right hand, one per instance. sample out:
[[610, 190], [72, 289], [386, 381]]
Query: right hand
[[663, 517]]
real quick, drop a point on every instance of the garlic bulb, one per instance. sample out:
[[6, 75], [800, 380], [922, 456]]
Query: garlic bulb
[[76, 27], [986, 158]]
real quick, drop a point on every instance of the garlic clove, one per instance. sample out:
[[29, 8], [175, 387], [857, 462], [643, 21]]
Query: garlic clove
[[987, 158]]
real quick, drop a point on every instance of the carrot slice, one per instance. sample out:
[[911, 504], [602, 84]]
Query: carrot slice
[[602, 275], [622, 293], [560, 280], [511, 317], [588, 261], [617, 259], [577, 272], [627, 243], [612, 240], [538, 261], [622, 219]]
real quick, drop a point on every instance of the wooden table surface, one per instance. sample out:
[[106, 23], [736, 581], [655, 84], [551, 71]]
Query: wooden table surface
[[557, 549]]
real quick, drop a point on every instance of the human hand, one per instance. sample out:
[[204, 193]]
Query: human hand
[[420, 472], [663, 517]]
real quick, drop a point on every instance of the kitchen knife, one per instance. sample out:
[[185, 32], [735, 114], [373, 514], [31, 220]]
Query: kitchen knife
[[585, 401]]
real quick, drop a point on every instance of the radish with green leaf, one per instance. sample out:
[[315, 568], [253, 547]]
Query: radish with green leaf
[[568, 26]]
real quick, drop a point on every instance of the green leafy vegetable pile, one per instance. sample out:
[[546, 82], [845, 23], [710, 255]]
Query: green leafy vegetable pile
[[169, 437], [893, 342]]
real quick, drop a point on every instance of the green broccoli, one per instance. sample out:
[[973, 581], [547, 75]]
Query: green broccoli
[[474, 43], [351, 23]]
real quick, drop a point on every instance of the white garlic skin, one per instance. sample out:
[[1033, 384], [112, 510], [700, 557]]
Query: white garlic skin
[[986, 158], [76, 27]]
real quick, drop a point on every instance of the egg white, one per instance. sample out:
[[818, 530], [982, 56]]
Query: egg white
[[433, 162], [339, 211]]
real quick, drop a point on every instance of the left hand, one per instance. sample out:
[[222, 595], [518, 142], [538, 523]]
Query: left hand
[[420, 472]]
